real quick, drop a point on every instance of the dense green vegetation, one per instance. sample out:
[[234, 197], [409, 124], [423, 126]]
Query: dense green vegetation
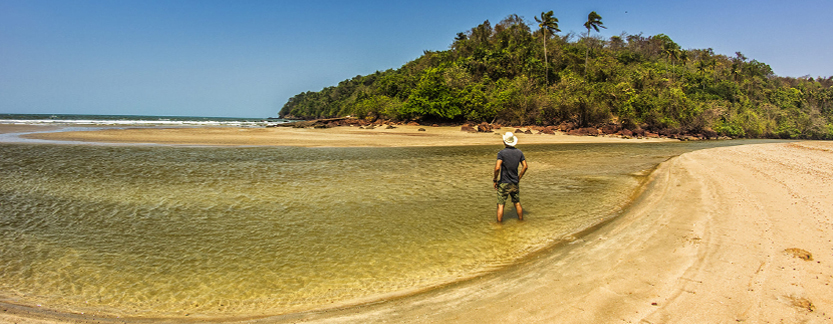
[[511, 74]]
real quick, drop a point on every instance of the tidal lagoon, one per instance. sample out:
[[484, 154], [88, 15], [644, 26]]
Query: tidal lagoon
[[166, 231]]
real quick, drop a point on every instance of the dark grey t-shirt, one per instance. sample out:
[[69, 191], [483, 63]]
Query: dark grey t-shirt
[[512, 158]]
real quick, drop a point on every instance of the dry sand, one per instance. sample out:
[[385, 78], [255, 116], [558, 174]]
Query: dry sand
[[310, 137], [735, 234]]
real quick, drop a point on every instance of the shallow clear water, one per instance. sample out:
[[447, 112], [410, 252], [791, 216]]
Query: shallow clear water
[[170, 231]]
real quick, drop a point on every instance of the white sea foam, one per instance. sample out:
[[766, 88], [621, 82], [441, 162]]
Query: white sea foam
[[138, 122]]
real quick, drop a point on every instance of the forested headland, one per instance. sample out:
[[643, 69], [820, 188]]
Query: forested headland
[[514, 73]]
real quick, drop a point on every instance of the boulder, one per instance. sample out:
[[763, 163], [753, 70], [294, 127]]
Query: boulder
[[610, 129], [468, 128], [667, 132], [421, 129], [639, 132], [586, 131], [566, 127]]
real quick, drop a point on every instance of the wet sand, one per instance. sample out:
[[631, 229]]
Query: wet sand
[[15, 128], [734, 234]]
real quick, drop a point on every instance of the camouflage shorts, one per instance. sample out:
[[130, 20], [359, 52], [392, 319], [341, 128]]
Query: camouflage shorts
[[508, 189]]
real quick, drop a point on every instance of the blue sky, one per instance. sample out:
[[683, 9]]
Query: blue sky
[[246, 58]]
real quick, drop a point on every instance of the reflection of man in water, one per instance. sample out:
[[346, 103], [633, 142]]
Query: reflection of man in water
[[508, 160]]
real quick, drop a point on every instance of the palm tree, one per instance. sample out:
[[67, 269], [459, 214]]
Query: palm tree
[[684, 57], [671, 50], [706, 62], [548, 24], [593, 21], [701, 66]]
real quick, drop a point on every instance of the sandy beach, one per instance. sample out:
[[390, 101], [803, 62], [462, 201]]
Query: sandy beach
[[344, 136], [733, 234]]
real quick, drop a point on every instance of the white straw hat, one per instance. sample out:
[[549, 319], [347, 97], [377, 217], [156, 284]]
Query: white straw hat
[[510, 139]]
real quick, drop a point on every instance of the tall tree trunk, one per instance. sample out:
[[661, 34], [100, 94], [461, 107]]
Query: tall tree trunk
[[546, 62], [586, 52]]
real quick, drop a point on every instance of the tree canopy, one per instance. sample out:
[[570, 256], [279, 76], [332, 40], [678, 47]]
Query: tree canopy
[[503, 74]]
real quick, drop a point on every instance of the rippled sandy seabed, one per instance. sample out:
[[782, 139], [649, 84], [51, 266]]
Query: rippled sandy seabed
[[175, 231]]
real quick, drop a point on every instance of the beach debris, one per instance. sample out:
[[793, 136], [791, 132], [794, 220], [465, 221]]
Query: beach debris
[[421, 129], [799, 253], [802, 303], [467, 128], [390, 127]]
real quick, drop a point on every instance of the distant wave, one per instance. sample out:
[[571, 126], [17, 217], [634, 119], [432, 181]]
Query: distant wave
[[119, 120]]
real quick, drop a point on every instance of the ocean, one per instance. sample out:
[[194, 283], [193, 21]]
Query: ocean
[[129, 120]]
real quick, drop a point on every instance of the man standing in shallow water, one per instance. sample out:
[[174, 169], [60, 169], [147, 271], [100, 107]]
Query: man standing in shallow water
[[506, 167]]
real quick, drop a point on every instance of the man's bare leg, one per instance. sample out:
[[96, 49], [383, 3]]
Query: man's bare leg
[[520, 211], [500, 213]]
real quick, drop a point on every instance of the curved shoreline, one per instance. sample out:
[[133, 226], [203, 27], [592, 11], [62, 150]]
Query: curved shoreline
[[704, 242], [57, 315], [711, 240]]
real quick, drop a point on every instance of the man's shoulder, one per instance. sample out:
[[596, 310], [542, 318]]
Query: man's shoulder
[[510, 151]]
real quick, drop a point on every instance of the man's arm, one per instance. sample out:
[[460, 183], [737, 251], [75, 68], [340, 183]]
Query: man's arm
[[521, 175], [497, 172]]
